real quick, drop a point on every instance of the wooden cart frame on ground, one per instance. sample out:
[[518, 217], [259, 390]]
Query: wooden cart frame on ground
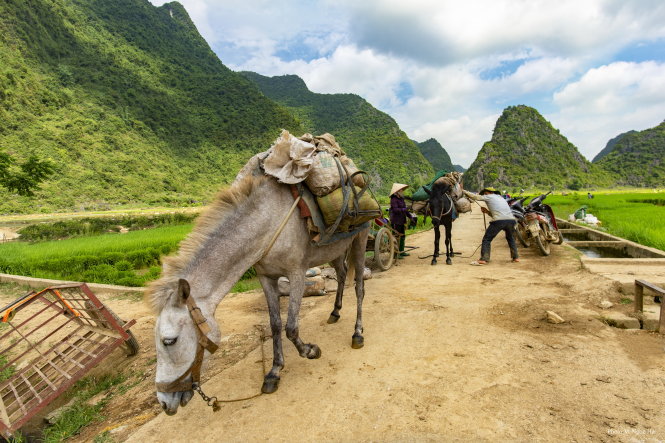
[[49, 340]]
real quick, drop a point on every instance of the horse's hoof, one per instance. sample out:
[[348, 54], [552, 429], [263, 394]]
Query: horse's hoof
[[433, 262], [449, 261], [270, 384], [357, 341], [333, 319], [314, 352]]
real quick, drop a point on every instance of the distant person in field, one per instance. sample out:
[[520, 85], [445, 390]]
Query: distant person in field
[[589, 195], [398, 215], [502, 220]]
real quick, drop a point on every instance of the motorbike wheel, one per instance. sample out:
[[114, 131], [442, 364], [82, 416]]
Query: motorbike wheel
[[559, 238], [522, 234], [542, 243]]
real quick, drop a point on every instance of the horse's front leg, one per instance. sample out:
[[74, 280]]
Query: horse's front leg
[[437, 239], [358, 253], [297, 284], [340, 270], [449, 244], [271, 379]]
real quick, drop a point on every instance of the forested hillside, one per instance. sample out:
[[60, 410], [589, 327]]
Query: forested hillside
[[370, 136], [127, 100], [436, 155], [637, 158], [526, 151], [609, 146]]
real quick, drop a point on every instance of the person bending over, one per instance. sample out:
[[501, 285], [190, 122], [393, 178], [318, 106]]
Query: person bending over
[[502, 220]]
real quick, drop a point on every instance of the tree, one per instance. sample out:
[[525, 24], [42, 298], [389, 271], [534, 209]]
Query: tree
[[23, 178]]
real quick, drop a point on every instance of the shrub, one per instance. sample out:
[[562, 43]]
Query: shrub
[[123, 265]]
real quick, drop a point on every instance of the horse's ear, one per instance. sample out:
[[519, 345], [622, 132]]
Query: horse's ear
[[183, 289]]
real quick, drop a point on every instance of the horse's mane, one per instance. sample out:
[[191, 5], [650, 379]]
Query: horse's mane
[[226, 201]]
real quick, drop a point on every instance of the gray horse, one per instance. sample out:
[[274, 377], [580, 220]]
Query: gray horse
[[230, 237]]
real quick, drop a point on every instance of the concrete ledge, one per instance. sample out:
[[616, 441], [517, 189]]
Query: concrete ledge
[[597, 243], [42, 283], [635, 249]]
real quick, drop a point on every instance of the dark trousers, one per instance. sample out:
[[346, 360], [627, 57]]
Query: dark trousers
[[401, 230], [493, 229]]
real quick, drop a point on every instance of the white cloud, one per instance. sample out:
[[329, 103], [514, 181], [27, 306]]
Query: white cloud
[[554, 56], [609, 100]]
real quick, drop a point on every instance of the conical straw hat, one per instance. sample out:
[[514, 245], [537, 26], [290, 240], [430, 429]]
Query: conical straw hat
[[398, 187]]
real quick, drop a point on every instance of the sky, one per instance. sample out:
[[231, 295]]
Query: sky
[[446, 69]]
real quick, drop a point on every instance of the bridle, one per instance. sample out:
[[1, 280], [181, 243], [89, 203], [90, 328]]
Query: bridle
[[203, 344], [442, 214]]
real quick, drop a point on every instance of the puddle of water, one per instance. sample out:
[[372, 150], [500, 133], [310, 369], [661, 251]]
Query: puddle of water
[[601, 252]]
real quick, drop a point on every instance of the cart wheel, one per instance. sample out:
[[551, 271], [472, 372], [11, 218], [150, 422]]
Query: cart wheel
[[384, 249], [131, 345]]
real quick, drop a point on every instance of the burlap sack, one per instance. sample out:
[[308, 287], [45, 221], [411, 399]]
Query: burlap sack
[[323, 177], [351, 168], [463, 205], [331, 205], [456, 193], [290, 159]]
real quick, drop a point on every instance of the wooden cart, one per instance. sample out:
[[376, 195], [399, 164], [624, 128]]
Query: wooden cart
[[49, 340], [382, 241]]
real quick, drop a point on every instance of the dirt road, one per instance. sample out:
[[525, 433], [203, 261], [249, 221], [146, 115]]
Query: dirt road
[[451, 353]]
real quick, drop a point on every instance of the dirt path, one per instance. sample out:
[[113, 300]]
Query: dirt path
[[452, 353]]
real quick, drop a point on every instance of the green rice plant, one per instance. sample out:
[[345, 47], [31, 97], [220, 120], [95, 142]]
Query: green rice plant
[[131, 259], [633, 216], [93, 259]]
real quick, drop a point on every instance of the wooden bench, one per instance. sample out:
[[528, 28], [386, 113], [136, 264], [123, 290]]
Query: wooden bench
[[639, 300]]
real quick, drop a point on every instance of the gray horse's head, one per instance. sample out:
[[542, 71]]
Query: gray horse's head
[[176, 343]]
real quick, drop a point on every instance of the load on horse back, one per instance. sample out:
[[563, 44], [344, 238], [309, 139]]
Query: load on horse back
[[445, 201], [255, 223]]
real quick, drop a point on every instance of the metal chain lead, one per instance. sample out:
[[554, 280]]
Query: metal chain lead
[[215, 403], [211, 401]]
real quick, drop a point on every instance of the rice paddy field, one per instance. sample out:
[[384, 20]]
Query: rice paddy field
[[639, 217], [134, 258]]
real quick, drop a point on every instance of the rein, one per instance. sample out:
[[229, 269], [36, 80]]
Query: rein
[[448, 211]]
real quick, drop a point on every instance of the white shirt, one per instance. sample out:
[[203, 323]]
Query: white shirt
[[497, 205]]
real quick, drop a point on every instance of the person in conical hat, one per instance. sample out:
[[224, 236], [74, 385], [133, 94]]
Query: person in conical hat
[[398, 215]]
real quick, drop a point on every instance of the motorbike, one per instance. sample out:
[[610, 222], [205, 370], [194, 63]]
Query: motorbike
[[516, 205], [541, 224]]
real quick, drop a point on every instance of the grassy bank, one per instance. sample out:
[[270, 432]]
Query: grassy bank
[[130, 259], [634, 216]]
